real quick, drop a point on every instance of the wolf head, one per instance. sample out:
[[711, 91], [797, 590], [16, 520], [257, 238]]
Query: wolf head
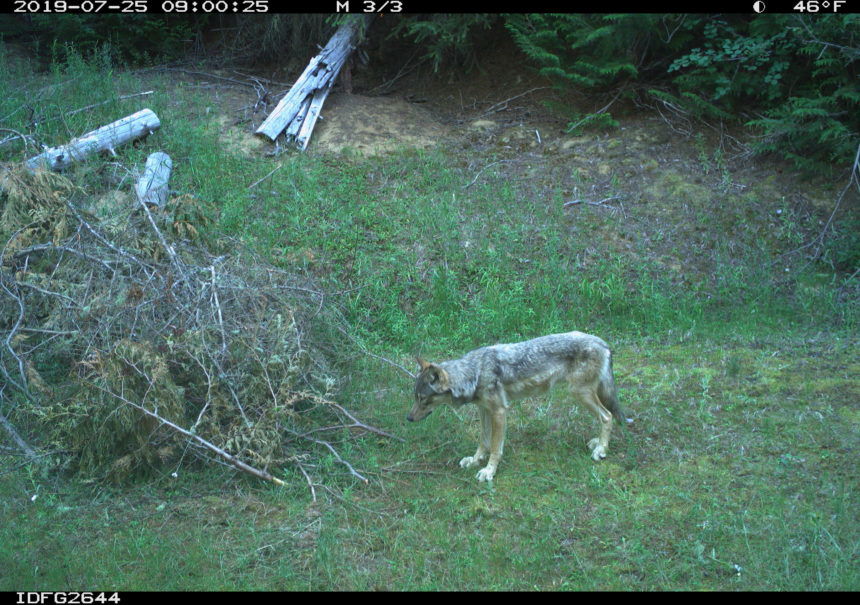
[[432, 389]]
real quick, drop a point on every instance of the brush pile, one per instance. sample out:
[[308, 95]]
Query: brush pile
[[128, 346]]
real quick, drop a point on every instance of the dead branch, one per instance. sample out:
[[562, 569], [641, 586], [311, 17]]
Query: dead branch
[[475, 180], [360, 425], [271, 172], [502, 105], [240, 349], [600, 203], [374, 355], [603, 109], [818, 241], [334, 452], [239, 464], [28, 451], [16, 135]]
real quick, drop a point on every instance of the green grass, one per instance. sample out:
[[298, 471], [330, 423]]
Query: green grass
[[739, 472]]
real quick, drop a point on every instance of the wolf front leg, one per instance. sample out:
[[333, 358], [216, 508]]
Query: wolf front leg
[[483, 444], [498, 422]]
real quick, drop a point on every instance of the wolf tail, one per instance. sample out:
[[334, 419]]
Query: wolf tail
[[607, 392]]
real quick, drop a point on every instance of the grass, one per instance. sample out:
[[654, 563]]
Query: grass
[[739, 472]]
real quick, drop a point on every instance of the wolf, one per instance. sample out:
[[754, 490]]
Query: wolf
[[491, 377]]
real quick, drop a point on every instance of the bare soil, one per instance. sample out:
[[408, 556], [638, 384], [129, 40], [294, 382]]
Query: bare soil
[[666, 183]]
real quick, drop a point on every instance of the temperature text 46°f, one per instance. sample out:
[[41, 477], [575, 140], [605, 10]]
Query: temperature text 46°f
[[819, 6]]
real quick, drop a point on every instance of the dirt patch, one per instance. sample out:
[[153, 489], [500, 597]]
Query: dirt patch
[[371, 125], [240, 139]]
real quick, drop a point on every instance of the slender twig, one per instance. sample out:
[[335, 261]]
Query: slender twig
[[573, 127], [273, 171], [356, 424], [847, 281], [171, 252], [307, 478], [380, 357], [104, 240], [51, 246], [854, 178], [334, 452], [600, 203], [259, 78], [210, 75], [483, 169], [502, 105], [22, 386], [48, 292], [220, 316], [17, 135]]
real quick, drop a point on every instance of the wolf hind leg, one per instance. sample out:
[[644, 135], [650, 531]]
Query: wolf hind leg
[[599, 445]]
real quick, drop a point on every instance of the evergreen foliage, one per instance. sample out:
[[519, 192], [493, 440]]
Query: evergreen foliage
[[133, 38], [446, 37], [793, 78]]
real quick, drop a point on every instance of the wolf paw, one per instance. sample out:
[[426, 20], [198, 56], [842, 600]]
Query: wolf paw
[[598, 452], [470, 461], [486, 474]]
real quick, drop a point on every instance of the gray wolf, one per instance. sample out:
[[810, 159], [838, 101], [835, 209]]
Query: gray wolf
[[490, 377]]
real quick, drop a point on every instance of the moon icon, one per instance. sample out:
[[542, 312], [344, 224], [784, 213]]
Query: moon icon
[[758, 6]]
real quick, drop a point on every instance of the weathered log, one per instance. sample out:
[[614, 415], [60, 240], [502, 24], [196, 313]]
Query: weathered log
[[152, 186], [304, 135], [318, 75], [293, 129], [105, 138]]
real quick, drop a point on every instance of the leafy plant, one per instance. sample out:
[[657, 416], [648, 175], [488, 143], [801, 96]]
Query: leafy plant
[[800, 73]]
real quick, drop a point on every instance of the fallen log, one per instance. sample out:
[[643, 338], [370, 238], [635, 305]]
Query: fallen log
[[310, 119], [106, 138], [151, 188], [293, 129], [295, 112]]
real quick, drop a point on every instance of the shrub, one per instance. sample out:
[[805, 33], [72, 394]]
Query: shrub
[[799, 73]]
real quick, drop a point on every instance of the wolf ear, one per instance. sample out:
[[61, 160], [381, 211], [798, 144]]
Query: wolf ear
[[438, 377]]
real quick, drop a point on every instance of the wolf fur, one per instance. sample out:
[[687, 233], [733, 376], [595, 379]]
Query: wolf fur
[[491, 377]]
